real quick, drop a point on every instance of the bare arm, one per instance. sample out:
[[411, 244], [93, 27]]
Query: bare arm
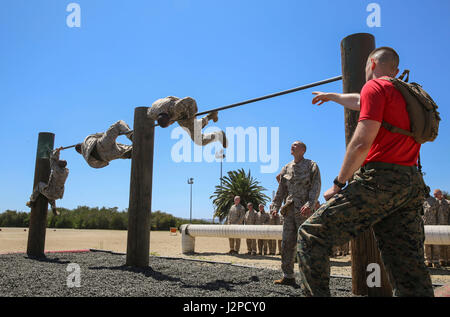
[[357, 151], [349, 101]]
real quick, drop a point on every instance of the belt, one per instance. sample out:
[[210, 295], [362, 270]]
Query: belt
[[391, 167]]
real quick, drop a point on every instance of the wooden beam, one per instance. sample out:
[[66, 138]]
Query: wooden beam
[[355, 50], [139, 211], [38, 215]]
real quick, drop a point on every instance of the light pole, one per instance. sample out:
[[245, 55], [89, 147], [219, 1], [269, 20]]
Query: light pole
[[190, 182], [220, 155]]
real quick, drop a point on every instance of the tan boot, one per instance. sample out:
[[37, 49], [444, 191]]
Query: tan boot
[[285, 281]]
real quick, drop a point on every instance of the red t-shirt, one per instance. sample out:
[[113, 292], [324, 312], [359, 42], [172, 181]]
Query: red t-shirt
[[380, 100]]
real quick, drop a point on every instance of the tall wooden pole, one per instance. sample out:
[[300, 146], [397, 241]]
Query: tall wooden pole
[[38, 215], [355, 50], [139, 211]]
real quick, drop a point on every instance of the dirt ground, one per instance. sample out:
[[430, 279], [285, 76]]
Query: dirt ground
[[164, 243]]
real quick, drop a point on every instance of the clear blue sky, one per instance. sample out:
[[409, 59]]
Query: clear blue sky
[[78, 81]]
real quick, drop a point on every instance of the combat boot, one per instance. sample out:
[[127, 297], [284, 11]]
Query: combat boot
[[285, 281]]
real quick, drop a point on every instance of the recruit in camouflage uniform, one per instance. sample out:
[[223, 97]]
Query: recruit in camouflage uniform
[[274, 220], [235, 216], [443, 211], [100, 148], [385, 192], [183, 111], [430, 219], [262, 218], [299, 186], [250, 219], [54, 189], [388, 197]]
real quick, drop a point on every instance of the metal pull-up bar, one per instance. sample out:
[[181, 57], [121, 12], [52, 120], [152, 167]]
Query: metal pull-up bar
[[280, 93]]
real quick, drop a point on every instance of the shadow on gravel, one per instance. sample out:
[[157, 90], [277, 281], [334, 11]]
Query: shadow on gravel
[[147, 272], [240, 256], [47, 260], [439, 271]]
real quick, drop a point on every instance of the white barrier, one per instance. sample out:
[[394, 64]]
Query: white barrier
[[433, 234]]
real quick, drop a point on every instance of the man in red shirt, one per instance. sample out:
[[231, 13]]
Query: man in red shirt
[[386, 191]]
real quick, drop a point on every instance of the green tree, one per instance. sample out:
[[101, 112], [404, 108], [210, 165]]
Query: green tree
[[237, 183]]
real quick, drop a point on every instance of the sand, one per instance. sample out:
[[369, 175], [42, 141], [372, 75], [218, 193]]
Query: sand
[[166, 244]]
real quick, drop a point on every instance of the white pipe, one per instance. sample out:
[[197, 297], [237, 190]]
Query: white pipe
[[433, 234], [437, 235]]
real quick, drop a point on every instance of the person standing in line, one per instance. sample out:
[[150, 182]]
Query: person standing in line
[[250, 219], [235, 216], [262, 218]]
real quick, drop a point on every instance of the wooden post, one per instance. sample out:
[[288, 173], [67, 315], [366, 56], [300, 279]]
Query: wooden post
[[138, 243], [355, 50], [38, 215]]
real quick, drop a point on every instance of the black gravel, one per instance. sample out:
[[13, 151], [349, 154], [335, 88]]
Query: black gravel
[[105, 274]]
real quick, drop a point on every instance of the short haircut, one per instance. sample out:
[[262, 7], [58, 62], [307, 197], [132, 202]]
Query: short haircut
[[303, 145], [387, 56], [237, 197], [163, 120], [250, 204]]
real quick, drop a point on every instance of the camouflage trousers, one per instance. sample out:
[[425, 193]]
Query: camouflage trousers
[[107, 147], [235, 244], [292, 221], [444, 253], [251, 245], [273, 246], [431, 253], [263, 246], [386, 196], [42, 188], [194, 128]]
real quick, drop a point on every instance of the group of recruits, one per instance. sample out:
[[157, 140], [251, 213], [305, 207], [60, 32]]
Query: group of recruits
[[238, 216], [100, 148], [378, 186], [437, 212]]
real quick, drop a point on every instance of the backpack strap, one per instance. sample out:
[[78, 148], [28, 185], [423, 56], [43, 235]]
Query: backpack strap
[[395, 129], [405, 72]]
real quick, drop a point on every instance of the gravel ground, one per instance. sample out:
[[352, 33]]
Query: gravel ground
[[104, 274]]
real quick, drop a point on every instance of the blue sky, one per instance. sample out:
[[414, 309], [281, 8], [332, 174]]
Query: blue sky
[[78, 81]]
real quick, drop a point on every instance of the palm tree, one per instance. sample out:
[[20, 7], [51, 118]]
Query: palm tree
[[237, 183]]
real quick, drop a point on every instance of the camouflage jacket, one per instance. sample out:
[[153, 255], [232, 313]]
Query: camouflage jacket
[[236, 215], [88, 146], [430, 211], [108, 154], [177, 109], [443, 210], [262, 218], [299, 183], [250, 217], [275, 220], [58, 175]]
